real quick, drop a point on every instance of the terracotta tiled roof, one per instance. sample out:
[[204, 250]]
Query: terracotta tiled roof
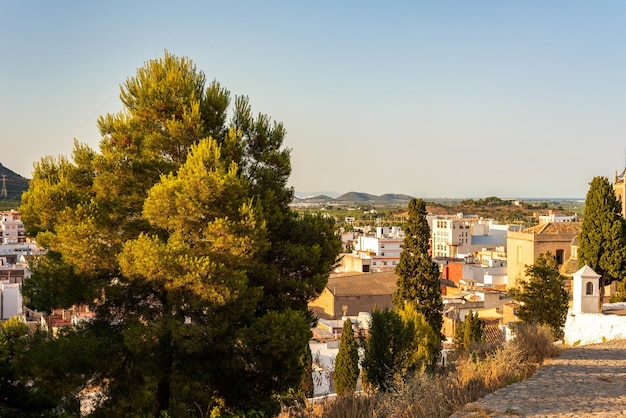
[[363, 284], [554, 228], [493, 334]]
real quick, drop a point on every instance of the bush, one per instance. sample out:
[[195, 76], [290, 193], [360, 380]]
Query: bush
[[439, 395], [535, 342]]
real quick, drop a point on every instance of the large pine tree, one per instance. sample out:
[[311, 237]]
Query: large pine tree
[[602, 237], [178, 234], [418, 275]]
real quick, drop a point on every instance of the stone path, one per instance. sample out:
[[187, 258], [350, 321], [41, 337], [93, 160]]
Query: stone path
[[588, 381]]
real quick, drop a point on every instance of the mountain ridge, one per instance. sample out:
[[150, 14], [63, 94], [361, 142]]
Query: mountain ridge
[[354, 197], [14, 183]]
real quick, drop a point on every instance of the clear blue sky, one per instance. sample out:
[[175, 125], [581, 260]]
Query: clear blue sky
[[433, 98]]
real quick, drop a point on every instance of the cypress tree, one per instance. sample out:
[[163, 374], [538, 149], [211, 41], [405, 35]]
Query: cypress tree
[[386, 351], [418, 275], [602, 237], [347, 363]]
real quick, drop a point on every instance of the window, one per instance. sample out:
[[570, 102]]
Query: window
[[589, 288], [559, 256]]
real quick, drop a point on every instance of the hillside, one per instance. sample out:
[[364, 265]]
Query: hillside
[[15, 184], [356, 198]]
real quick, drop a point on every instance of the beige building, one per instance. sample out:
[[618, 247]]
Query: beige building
[[523, 247], [347, 295]]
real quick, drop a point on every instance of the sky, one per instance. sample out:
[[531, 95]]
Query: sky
[[458, 99]]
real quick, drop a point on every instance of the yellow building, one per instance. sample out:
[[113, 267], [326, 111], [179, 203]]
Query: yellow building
[[523, 247], [347, 295]]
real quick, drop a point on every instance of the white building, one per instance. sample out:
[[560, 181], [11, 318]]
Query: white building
[[554, 216], [12, 228], [383, 249], [461, 234], [10, 300]]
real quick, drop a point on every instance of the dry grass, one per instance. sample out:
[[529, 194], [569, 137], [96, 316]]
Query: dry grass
[[440, 395], [535, 342]]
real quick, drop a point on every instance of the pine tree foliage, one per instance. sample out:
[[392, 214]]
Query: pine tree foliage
[[602, 238], [18, 398], [542, 297], [346, 372], [177, 232], [418, 275]]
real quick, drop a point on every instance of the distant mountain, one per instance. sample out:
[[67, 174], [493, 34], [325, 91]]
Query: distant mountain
[[353, 197], [357, 197], [307, 195], [14, 183], [320, 200]]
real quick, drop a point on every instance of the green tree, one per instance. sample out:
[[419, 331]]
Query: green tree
[[17, 397], [418, 275], [469, 332], [386, 351], [423, 349], [602, 237], [178, 234], [541, 295], [346, 370]]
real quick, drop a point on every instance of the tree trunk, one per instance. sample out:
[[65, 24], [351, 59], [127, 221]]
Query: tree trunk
[[601, 285], [163, 390]]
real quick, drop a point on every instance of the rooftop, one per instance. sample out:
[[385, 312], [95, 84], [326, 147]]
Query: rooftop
[[554, 228], [363, 284]]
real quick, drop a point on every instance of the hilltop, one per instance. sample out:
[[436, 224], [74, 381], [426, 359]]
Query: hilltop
[[354, 198], [15, 184]]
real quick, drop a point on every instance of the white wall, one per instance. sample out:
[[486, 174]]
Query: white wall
[[589, 328], [10, 300], [495, 279]]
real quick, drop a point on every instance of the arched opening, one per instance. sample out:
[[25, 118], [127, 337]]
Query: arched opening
[[589, 288]]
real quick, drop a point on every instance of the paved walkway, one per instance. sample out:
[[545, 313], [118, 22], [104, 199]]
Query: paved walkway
[[588, 381]]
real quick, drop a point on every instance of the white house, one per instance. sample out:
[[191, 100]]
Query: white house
[[10, 300]]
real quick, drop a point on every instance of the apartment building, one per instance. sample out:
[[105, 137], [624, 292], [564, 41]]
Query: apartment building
[[382, 249], [461, 235], [449, 233], [12, 228], [375, 251]]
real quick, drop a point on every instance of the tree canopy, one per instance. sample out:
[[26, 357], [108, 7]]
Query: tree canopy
[[418, 275], [386, 351], [178, 234], [542, 297], [602, 237], [346, 371], [470, 332]]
